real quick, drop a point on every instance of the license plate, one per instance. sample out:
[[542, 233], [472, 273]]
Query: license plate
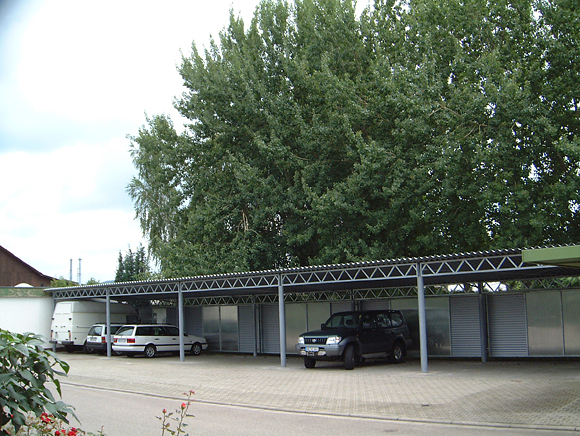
[[93, 339], [122, 341], [312, 349]]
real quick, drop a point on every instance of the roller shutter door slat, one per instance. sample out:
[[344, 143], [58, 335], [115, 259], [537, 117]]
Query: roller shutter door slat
[[465, 326], [246, 329], [376, 304], [270, 329], [341, 306], [508, 329]]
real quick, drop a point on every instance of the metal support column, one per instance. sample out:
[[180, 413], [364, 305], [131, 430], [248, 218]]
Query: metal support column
[[108, 327], [483, 322], [422, 318], [254, 326], [180, 321], [53, 307], [282, 313]]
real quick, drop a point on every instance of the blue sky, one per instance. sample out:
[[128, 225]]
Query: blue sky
[[77, 77]]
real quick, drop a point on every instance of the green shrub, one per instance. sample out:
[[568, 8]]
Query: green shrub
[[28, 407], [25, 369]]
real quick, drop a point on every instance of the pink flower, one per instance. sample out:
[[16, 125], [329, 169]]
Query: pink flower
[[183, 405]]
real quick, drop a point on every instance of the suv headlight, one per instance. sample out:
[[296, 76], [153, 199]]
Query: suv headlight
[[333, 340], [301, 340]]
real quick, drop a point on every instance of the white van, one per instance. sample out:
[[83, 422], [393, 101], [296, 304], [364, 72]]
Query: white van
[[72, 320]]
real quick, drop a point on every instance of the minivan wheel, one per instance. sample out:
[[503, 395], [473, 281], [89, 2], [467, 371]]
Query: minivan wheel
[[309, 362], [150, 351], [397, 353], [196, 349], [349, 357]]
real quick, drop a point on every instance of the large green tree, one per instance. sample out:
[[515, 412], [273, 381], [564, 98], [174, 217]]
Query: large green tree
[[134, 266], [318, 136]]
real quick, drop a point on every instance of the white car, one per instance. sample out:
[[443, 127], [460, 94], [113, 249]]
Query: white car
[[150, 339]]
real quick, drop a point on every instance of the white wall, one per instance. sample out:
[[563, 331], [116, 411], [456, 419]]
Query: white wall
[[26, 314]]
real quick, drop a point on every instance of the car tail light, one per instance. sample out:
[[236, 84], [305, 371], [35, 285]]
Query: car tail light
[[103, 340], [114, 339], [130, 340]]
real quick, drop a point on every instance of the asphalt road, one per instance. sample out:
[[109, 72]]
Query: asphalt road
[[123, 414]]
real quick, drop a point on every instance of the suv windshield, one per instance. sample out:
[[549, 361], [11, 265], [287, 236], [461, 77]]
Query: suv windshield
[[349, 320]]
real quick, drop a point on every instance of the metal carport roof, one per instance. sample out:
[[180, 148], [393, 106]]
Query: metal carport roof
[[488, 266], [475, 267]]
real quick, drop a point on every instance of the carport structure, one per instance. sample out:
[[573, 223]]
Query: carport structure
[[476, 272]]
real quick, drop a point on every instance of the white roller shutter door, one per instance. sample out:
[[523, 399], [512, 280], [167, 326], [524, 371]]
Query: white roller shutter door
[[270, 329], [508, 329], [465, 326]]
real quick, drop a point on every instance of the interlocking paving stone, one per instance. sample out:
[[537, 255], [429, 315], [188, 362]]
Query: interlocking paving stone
[[529, 393]]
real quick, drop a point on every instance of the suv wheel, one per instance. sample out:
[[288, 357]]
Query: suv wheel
[[397, 353], [309, 362], [349, 357], [196, 349], [150, 351]]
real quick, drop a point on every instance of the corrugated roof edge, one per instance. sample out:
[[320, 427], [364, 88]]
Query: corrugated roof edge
[[421, 259]]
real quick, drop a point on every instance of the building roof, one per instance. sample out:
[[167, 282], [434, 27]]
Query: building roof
[[24, 264]]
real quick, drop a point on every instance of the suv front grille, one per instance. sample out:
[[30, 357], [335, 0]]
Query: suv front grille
[[321, 341]]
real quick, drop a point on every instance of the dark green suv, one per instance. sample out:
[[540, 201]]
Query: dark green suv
[[349, 336]]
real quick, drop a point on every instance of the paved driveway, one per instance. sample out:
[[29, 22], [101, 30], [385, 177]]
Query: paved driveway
[[543, 395]]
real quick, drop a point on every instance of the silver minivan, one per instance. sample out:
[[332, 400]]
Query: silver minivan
[[97, 338], [151, 339]]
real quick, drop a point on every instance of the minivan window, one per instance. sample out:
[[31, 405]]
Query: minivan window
[[95, 330], [145, 331], [171, 331], [125, 331]]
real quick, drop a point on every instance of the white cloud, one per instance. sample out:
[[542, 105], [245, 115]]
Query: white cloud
[[105, 63], [75, 79], [82, 69], [111, 60], [69, 203]]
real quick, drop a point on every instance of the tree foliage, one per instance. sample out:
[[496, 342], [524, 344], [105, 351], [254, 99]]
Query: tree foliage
[[134, 266], [318, 136], [61, 282]]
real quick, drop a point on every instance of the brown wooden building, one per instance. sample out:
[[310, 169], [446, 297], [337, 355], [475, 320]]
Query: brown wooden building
[[14, 271]]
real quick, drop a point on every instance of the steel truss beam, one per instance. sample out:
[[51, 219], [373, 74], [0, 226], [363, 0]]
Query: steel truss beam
[[371, 294], [384, 279]]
